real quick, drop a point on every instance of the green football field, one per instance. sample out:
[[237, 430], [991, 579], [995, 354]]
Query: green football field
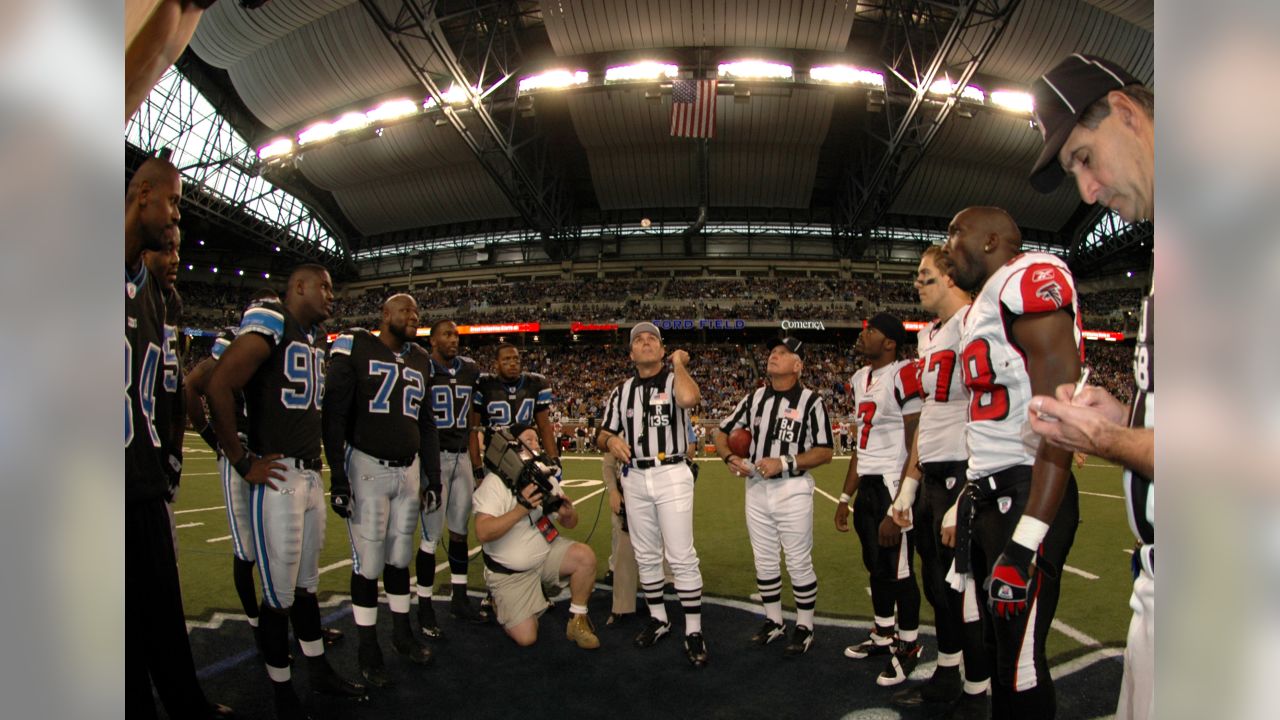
[[1093, 611]]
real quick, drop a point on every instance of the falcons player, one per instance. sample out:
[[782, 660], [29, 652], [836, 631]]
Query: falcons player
[[886, 396], [937, 469], [1019, 509]]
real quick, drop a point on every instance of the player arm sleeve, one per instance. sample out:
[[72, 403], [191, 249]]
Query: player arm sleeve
[[428, 449], [907, 389], [339, 392]]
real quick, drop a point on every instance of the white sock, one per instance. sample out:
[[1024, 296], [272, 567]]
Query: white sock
[[805, 618], [692, 624], [949, 659], [576, 609], [773, 611], [908, 635]]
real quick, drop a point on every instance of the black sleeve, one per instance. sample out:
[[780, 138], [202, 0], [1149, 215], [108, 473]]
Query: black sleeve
[[339, 391], [428, 448]]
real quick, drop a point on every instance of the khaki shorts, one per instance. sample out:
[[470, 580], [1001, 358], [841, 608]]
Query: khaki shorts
[[520, 596]]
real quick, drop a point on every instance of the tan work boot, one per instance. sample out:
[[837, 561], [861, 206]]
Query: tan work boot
[[581, 632]]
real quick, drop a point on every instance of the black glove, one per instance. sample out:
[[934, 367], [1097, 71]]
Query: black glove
[[340, 495], [430, 497], [211, 438], [173, 472], [1012, 584]]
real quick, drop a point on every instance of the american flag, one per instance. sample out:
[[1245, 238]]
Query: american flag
[[693, 108]]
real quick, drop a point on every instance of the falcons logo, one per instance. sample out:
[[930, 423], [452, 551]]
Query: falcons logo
[[1050, 292]]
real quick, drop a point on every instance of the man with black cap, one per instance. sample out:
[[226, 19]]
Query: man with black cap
[[646, 427], [1098, 123], [790, 435], [1018, 512], [887, 403]]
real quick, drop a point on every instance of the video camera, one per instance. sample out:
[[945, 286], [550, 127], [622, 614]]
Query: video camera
[[519, 466]]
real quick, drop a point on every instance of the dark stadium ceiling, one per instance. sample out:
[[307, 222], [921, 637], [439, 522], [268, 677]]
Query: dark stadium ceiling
[[556, 160]]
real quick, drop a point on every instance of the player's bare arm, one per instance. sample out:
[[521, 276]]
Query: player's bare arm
[[686, 390], [429, 480], [195, 388], [846, 494], [1048, 342], [546, 433], [239, 362], [473, 442]]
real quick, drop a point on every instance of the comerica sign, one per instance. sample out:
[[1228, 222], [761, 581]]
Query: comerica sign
[[803, 325]]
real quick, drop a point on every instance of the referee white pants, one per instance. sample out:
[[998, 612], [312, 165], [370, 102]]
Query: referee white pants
[[659, 504], [780, 516], [1138, 688]]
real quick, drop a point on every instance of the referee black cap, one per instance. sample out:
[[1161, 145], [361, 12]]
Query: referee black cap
[[794, 344]]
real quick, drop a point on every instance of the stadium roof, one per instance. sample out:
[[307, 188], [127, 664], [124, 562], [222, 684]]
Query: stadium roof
[[586, 149]]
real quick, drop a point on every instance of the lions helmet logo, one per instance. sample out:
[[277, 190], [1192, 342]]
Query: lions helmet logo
[[1050, 292]]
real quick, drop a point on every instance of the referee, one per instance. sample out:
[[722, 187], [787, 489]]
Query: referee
[[646, 427], [790, 434]]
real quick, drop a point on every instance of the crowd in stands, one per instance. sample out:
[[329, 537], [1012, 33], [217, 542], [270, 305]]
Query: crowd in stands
[[1111, 309]]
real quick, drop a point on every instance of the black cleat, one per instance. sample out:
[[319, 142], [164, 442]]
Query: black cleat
[[427, 620], [905, 657], [376, 676], [945, 686], [460, 609], [873, 646], [607, 580], [327, 682], [408, 647], [801, 641], [654, 631], [619, 619], [968, 707], [768, 632], [695, 648], [331, 636]]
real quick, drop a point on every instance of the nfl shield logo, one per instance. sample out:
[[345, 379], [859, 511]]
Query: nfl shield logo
[[130, 289], [1004, 504], [951, 482], [1005, 593], [631, 413]]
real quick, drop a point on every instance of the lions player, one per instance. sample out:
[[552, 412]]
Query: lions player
[[376, 435], [508, 397], [162, 266], [277, 361], [451, 384], [1019, 511]]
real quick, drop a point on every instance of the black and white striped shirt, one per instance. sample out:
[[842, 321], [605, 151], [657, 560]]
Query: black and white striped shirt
[[644, 413], [781, 423]]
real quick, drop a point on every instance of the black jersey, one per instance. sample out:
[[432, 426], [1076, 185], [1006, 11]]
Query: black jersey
[[220, 344], [451, 389], [145, 421], [1138, 489], [502, 404], [373, 398], [169, 400], [284, 395]]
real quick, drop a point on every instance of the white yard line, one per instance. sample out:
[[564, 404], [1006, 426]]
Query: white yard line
[[1082, 573], [188, 525], [218, 539], [1116, 497]]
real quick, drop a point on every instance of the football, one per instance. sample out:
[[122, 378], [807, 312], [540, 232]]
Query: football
[[740, 443]]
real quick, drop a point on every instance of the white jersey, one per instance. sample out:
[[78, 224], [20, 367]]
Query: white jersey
[[998, 434], [946, 400], [881, 399]]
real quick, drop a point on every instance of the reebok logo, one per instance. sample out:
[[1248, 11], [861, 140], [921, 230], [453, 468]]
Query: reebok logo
[[1042, 275]]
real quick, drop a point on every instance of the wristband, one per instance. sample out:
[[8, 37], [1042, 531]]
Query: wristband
[[1030, 532], [844, 498], [210, 437], [243, 465], [728, 457]]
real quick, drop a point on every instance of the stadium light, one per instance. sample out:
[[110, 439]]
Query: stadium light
[[316, 133], [276, 148], [640, 71], [392, 110], [240, 272], [266, 276], [277, 248], [553, 80], [946, 87], [1011, 100], [757, 69], [847, 75], [191, 267], [351, 121], [200, 242], [215, 268]]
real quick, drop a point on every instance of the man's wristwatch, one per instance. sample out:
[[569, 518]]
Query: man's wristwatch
[[790, 461]]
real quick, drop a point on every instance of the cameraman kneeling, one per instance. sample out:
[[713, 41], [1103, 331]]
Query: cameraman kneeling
[[523, 551]]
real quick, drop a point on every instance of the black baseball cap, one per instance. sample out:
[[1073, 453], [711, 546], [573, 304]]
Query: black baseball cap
[[891, 326], [794, 344], [1061, 97]]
